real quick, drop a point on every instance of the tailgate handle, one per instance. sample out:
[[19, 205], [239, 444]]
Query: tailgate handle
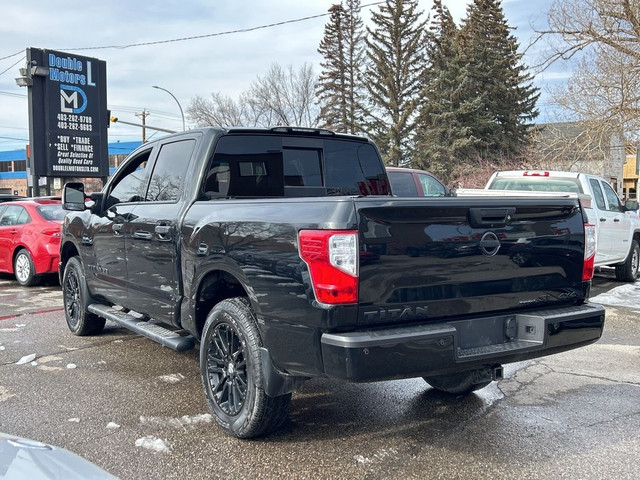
[[490, 217]]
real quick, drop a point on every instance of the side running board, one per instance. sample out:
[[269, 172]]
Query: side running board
[[164, 336]]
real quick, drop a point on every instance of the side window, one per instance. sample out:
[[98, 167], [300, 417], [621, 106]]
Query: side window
[[613, 202], [430, 186], [131, 183], [597, 193], [246, 166], [353, 168], [170, 171], [12, 216], [402, 184]]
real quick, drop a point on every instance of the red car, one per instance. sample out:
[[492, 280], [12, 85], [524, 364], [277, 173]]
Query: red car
[[30, 238]]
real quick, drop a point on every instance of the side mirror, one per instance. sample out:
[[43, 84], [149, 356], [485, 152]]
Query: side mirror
[[73, 197], [631, 205]]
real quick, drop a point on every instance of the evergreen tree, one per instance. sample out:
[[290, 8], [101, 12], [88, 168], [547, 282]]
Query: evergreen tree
[[498, 98], [339, 84], [395, 52], [441, 137]]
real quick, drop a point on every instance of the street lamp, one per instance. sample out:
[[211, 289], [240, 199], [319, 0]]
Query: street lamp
[[174, 97]]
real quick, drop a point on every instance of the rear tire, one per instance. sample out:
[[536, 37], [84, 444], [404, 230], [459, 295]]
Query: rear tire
[[231, 371], [24, 269], [75, 294], [460, 383], [628, 271]]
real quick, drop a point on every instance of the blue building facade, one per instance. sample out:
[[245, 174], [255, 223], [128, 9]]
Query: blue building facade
[[13, 165]]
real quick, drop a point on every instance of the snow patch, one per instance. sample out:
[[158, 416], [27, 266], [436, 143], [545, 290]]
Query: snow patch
[[622, 296], [48, 368], [74, 420], [26, 359], [68, 349], [172, 378], [20, 325], [112, 425], [181, 422], [49, 358], [1, 348], [71, 366], [362, 460], [155, 444], [5, 394]]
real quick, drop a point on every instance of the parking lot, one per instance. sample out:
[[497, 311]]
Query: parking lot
[[137, 409]]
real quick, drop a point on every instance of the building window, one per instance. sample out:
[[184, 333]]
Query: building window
[[20, 166], [5, 167]]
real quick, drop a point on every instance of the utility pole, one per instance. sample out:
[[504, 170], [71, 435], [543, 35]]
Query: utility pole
[[143, 116]]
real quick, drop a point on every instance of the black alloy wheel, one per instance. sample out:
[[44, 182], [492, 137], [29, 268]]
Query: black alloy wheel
[[72, 303], [74, 292], [232, 372], [227, 369]]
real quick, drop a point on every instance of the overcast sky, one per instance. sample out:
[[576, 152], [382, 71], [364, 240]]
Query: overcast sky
[[225, 63]]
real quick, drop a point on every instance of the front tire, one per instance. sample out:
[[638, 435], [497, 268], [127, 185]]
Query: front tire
[[24, 269], [628, 271], [74, 290], [231, 371], [460, 383]]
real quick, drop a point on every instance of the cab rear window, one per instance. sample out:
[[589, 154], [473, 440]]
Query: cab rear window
[[246, 165]]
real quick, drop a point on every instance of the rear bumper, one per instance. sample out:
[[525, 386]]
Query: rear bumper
[[432, 349]]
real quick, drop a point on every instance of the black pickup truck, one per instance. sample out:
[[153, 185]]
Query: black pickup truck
[[283, 253]]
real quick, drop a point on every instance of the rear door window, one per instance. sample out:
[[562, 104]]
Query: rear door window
[[597, 193], [14, 215], [169, 171]]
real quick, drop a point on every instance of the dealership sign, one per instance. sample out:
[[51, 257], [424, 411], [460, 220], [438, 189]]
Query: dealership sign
[[68, 115]]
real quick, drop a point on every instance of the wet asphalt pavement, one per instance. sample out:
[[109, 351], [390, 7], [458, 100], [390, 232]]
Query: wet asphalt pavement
[[137, 410]]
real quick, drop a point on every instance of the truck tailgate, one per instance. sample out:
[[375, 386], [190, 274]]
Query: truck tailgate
[[424, 259]]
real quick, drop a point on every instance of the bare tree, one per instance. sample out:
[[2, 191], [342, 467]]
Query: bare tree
[[220, 110], [286, 96], [603, 94], [604, 91], [281, 97], [575, 25]]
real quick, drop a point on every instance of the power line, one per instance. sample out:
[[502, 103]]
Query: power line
[[12, 55], [12, 94], [6, 70], [217, 34]]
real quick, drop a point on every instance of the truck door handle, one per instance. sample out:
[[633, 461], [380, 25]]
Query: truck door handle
[[142, 235], [616, 219], [603, 219]]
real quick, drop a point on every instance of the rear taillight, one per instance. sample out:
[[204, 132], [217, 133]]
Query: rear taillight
[[332, 258], [590, 246], [51, 232]]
